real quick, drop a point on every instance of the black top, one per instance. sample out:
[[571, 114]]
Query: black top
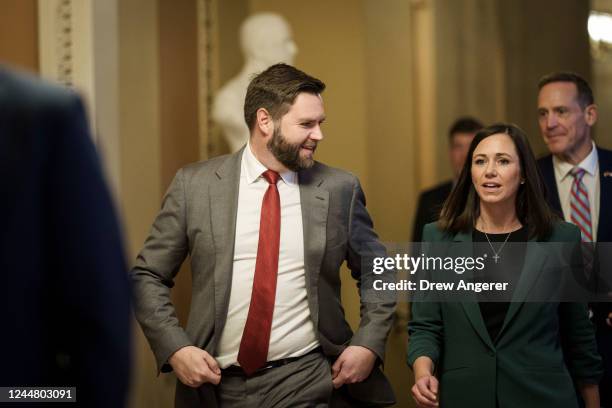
[[507, 269]]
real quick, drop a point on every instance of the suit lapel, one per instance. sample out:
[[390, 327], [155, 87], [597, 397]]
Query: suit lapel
[[535, 257], [462, 242], [315, 204], [223, 201], [552, 192], [532, 268], [605, 182]]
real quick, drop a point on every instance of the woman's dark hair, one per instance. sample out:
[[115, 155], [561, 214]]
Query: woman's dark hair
[[462, 207]]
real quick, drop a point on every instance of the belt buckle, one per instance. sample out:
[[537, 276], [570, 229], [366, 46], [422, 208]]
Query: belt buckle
[[274, 364]]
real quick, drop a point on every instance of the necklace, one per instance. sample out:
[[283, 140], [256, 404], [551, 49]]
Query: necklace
[[496, 253]]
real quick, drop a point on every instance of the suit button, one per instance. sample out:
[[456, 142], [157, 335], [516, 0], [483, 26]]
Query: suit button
[[491, 353]]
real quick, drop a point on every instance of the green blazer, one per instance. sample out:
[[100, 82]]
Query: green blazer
[[527, 366]]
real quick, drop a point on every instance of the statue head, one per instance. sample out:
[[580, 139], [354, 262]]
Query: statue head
[[266, 38]]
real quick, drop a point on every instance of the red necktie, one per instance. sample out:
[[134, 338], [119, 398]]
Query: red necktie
[[253, 352], [580, 213]]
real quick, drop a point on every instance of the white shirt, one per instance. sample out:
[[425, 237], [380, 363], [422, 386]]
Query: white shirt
[[590, 179], [293, 333]]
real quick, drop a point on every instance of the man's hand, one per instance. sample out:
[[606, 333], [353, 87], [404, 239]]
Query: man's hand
[[609, 319], [425, 392], [194, 366], [354, 365]]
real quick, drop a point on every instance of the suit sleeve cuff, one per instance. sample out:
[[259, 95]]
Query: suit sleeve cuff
[[371, 344], [174, 339]]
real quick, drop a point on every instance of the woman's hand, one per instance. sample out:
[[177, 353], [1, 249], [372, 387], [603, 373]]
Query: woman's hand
[[425, 389], [425, 392]]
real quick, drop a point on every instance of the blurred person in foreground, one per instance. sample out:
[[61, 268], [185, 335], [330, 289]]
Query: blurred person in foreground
[[513, 351], [66, 293], [578, 175], [430, 203]]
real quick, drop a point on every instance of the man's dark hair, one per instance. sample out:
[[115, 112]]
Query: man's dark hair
[[275, 90], [585, 93], [465, 124], [462, 207]]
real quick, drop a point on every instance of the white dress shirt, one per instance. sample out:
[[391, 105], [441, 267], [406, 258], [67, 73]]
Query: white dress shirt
[[293, 333], [565, 180]]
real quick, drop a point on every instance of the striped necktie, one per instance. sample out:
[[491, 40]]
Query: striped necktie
[[580, 207]]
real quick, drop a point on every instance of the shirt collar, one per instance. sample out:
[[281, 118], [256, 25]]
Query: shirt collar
[[254, 169], [589, 164]]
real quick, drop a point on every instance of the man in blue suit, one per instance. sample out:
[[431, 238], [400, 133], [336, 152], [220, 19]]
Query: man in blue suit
[[65, 293], [578, 176]]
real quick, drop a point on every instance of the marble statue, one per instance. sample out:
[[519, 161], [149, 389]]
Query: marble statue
[[266, 40]]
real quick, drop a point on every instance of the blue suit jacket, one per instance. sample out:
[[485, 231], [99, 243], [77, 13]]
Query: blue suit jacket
[[64, 283], [604, 234]]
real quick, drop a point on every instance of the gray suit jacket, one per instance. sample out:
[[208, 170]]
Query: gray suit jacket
[[198, 218]]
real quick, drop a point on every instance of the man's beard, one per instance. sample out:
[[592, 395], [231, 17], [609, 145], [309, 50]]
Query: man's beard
[[289, 154]]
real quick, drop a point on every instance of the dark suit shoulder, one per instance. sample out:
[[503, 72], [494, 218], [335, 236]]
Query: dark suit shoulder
[[329, 178], [438, 191], [21, 92], [429, 205], [432, 232], [605, 157], [545, 165], [545, 160], [339, 175], [564, 232]]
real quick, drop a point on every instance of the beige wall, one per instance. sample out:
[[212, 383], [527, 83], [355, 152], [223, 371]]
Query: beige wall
[[602, 83], [551, 36], [229, 16], [19, 34], [178, 108], [140, 161], [392, 147], [158, 73], [226, 56], [470, 68]]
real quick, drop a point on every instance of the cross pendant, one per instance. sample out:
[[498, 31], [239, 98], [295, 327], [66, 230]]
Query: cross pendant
[[496, 258]]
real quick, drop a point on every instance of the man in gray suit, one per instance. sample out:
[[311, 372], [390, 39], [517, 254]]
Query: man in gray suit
[[267, 229]]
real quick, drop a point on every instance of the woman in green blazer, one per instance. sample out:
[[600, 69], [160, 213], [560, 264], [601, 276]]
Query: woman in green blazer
[[503, 354]]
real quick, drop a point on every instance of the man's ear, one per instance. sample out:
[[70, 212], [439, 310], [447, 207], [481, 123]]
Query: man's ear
[[264, 122], [590, 114]]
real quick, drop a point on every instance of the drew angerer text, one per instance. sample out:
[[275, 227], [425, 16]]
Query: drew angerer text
[[425, 285]]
